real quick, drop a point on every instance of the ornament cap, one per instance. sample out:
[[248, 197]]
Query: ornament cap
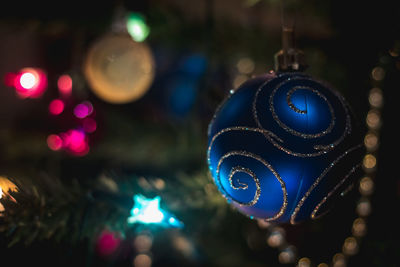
[[289, 58]]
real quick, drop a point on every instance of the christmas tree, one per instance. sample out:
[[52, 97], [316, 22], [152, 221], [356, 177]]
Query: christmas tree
[[105, 109]]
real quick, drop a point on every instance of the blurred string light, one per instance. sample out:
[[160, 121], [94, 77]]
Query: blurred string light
[[28, 82], [276, 235], [148, 211], [137, 27]]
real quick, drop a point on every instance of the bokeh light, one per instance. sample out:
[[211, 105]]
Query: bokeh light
[[75, 142], [304, 262], [143, 243], [142, 260], [373, 119], [89, 125], [137, 27], [363, 207], [54, 142], [30, 82], [378, 73], [375, 97], [83, 110], [350, 246], [64, 84], [359, 227], [369, 161], [56, 107], [366, 186], [107, 243], [371, 141], [245, 65]]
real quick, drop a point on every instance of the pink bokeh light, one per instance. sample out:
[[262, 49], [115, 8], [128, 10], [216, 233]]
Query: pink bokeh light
[[56, 107], [107, 243], [30, 82], [75, 142], [64, 85], [83, 110]]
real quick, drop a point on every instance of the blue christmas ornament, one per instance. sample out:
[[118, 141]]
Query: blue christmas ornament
[[283, 147]]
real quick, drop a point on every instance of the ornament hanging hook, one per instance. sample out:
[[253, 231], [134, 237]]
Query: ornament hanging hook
[[289, 58]]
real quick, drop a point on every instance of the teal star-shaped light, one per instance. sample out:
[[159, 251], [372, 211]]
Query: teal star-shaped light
[[148, 211]]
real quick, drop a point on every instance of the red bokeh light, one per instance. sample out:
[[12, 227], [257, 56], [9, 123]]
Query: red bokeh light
[[54, 142], [89, 125], [56, 107], [107, 243]]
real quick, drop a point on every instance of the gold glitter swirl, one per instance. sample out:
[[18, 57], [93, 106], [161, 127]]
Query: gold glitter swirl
[[321, 149], [266, 164], [314, 212], [245, 186], [307, 194], [291, 105]]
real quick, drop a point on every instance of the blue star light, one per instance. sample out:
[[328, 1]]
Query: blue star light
[[148, 211]]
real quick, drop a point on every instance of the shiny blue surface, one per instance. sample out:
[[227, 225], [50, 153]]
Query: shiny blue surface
[[287, 125]]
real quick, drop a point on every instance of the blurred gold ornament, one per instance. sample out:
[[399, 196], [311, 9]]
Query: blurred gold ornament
[[118, 69]]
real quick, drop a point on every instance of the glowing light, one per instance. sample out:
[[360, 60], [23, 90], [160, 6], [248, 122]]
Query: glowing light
[[339, 260], [30, 82], [148, 211], [373, 119], [276, 238], [369, 161], [359, 227], [245, 65], [350, 246], [54, 142], [75, 142], [137, 27], [142, 260], [83, 110], [378, 73], [287, 255], [371, 141], [364, 208], [143, 243], [375, 98], [366, 186], [56, 107], [304, 262], [89, 125], [64, 84], [27, 80], [107, 243]]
